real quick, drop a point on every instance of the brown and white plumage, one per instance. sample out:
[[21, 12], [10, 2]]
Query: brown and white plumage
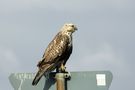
[[57, 52]]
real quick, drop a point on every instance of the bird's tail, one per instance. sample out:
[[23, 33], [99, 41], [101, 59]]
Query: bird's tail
[[37, 77]]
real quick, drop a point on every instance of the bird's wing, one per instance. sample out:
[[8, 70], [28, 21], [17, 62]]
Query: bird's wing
[[55, 49]]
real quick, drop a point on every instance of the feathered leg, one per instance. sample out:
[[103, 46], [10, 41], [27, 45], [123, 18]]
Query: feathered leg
[[63, 69]]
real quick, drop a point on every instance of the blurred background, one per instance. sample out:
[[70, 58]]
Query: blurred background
[[105, 38]]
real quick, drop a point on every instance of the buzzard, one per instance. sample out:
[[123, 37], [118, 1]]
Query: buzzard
[[57, 53]]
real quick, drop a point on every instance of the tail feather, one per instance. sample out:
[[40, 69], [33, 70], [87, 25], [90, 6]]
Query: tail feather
[[41, 72], [37, 78]]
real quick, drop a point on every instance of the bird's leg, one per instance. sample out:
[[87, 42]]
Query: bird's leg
[[63, 68]]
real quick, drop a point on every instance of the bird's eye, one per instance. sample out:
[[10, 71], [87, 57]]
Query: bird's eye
[[72, 25]]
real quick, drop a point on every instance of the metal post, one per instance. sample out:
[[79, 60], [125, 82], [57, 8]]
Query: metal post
[[60, 80]]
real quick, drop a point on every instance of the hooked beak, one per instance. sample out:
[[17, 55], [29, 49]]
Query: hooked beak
[[75, 28]]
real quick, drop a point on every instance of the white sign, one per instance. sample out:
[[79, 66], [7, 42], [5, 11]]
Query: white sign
[[101, 79]]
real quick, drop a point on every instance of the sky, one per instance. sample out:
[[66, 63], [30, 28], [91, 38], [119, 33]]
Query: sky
[[105, 38]]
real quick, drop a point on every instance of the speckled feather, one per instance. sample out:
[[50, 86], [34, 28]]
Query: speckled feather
[[59, 49]]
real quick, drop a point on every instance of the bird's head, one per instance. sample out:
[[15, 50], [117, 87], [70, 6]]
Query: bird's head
[[69, 27]]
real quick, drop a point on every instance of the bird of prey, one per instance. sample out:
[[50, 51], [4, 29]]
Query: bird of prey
[[57, 52]]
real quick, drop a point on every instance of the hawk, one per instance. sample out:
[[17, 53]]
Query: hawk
[[57, 53]]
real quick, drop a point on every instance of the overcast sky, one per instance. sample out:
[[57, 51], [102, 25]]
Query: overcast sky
[[105, 38]]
